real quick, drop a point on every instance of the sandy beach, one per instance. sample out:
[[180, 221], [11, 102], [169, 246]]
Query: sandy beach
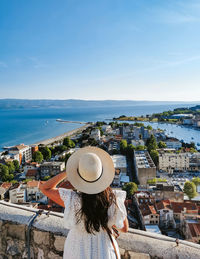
[[62, 136]]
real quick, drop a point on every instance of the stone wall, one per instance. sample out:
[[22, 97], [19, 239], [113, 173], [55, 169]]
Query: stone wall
[[47, 237]]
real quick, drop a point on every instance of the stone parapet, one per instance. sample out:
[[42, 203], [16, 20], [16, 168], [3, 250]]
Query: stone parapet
[[47, 237]]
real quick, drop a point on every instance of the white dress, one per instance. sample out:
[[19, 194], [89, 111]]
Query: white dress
[[81, 245]]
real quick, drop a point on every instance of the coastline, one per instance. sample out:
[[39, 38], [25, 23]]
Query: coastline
[[62, 136]]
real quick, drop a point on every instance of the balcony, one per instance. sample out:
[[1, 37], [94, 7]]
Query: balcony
[[45, 238]]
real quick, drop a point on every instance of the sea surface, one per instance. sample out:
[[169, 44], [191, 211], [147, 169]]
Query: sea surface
[[29, 126]]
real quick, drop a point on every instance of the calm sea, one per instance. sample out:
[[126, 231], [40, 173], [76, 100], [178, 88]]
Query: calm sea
[[31, 125]]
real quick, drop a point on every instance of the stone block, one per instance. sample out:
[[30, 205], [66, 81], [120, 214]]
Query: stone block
[[134, 255], [12, 248], [1, 224], [40, 254], [16, 231], [121, 251], [59, 243], [41, 238], [52, 255]]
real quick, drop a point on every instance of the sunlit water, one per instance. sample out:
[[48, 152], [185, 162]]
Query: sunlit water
[[32, 125]]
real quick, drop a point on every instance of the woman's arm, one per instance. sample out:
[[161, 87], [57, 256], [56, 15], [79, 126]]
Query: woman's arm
[[125, 227], [49, 188]]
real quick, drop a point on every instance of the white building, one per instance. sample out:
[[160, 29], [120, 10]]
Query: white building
[[33, 192], [17, 193], [136, 143], [96, 134], [166, 214], [120, 163], [173, 161], [144, 166], [173, 143], [51, 168], [106, 128], [23, 152]]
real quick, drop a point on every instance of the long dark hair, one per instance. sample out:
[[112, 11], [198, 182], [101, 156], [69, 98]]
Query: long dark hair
[[94, 210]]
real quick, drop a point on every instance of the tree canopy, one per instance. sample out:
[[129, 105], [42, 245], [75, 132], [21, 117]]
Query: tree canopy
[[130, 188], [162, 144], [38, 157], [151, 143], [46, 152], [190, 189], [68, 143], [155, 156]]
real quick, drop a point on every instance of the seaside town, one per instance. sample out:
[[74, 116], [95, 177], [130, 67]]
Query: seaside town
[[160, 174]]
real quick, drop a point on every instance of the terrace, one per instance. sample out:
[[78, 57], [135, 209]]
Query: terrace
[[25, 233]]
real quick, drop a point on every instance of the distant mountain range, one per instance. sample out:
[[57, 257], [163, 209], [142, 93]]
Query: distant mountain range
[[70, 103]]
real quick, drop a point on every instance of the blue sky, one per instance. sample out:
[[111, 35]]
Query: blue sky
[[100, 49]]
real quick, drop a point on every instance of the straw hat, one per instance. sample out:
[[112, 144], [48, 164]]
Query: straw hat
[[90, 170]]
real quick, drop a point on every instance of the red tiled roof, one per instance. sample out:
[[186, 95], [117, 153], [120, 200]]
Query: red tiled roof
[[6, 185], [164, 204], [32, 172], [178, 207], [147, 209], [194, 229], [33, 183]]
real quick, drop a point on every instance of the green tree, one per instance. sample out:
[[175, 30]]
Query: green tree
[[38, 157], [130, 188], [68, 143], [46, 152], [11, 167], [196, 180], [149, 127], [16, 164], [151, 143], [155, 156], [14, 181], [190, 189], [140, 147], [193, 150], [4, 172], [46, 178], [123, 146], [162, 144]]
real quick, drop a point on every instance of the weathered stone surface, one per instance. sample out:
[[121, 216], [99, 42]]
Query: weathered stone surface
[[134, 255], [41, 238], [143, 245], [59, 242], [121, 251], [1, 223], [16, 231], [40, 254], [12, 248], [51, 255]]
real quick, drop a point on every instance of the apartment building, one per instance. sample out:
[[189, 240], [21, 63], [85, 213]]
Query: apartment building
[[24, 152], [120, 165], [17, 193], [173, 161], [173, 143], [95, 133], [51, 168], [144, 166], [33, 192], [194, 161], [165, 192], [166, 214]]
